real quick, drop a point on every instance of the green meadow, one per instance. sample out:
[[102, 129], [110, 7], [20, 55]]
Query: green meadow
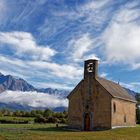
[[50, 132]]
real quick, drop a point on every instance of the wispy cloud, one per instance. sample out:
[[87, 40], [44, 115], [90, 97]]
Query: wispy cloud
[[3, 9], [80, 46], [32, 99], [79, 19]]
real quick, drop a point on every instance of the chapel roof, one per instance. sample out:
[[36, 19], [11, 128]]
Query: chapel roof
[[115, 89]]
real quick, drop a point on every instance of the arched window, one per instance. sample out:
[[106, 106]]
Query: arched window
[[114, 107]]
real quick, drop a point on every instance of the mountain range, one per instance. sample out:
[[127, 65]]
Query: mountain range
[[11, 83]]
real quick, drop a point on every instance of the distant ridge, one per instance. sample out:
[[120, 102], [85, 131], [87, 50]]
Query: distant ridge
[[131, 92], [9, 82]]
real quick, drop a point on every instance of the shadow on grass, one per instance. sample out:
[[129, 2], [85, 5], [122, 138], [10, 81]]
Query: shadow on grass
[[65, 129], [56, 129]]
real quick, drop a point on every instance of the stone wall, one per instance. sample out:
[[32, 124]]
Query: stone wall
[[123, 113], [75, 110], [102, 107]]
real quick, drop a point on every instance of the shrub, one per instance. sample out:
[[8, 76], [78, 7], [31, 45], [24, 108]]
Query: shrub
[[63, 120], [40, 119], [52, 120]]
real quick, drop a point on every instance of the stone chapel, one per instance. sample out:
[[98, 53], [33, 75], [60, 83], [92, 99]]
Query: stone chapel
[[97, 103]]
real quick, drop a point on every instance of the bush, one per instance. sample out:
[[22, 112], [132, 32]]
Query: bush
[[41, 116], [40, 119], [53, 120], [63, 120]]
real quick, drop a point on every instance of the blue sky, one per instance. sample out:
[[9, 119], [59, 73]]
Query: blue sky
[[46, 41]]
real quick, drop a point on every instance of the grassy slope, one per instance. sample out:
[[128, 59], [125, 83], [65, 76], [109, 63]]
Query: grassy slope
[[49, 132]]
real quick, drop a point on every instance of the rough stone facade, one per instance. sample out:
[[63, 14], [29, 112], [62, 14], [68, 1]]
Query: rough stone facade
[[123, 113], [92, 106]]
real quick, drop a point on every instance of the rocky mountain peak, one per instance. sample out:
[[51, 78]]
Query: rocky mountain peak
[[8, 82]]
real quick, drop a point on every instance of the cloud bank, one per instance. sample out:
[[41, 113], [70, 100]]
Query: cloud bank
[[33, 99]]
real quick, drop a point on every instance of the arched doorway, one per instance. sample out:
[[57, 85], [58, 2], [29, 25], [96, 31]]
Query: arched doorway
[[87, 122]]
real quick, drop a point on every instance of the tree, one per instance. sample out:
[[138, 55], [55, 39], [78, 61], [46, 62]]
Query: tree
[[48, 113], [33, 113], [18, 113]]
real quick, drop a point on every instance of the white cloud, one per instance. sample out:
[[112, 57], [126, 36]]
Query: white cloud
[[23, 44], [33, 99], [135, 66], [104, 74], [63, 71], [80, 47], [41, 73], [121, 39], [91, 56], [12, 61], [125, 15], [96, 4]]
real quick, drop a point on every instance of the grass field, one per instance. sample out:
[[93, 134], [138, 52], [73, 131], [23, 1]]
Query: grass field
[[50, 132], [12, 120]]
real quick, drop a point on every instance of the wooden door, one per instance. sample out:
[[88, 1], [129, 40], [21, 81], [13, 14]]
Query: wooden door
[[87, 122]]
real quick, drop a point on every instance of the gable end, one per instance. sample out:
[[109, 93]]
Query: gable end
[[73, 91]]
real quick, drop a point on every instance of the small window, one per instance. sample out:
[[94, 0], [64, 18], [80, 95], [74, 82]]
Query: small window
[[114, 107], [125, 118]]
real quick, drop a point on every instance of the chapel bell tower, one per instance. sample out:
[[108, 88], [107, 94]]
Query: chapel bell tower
[[91, 68]]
